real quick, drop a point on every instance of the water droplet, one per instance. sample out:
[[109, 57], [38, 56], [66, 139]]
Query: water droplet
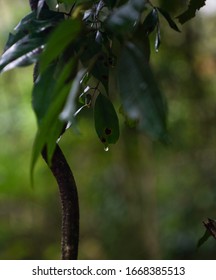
[[106, 149]]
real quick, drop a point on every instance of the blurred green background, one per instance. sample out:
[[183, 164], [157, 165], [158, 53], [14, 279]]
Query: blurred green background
[[140, 200]]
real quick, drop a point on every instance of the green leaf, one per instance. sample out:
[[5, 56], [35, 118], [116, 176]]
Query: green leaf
[[110, 3], [168, 18], [193, 6], [123, 19], [140, 95], [100, 70], [49, 124], [69, 109], [59, 40], [106, 120], [22, 53], [30, 35], [151, 21]]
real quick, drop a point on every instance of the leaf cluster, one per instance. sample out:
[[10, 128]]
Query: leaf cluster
[[76, 48]]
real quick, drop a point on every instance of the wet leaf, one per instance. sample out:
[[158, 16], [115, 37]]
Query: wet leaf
[[106, 120]]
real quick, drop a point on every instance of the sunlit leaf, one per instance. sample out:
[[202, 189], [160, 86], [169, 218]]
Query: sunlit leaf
[[140, 95], [106, 120]]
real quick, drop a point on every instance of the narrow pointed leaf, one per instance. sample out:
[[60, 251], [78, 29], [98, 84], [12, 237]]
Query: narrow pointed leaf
[[22, 53], [70, 107], [168, 18]]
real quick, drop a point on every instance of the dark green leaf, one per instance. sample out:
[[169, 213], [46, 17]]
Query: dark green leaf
[[193, 6], [49, 123], [140, 95], [106, 120], [22, 53], [123, 19], [168, 18], [151, 21], [59, 40], [110, 3], [100, 70], [70, 107]]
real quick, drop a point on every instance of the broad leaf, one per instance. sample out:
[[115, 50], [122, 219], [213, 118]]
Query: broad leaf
[[140, 95], [30, 35], [125, 18], [106, 120], [193, 6], [59, 40]]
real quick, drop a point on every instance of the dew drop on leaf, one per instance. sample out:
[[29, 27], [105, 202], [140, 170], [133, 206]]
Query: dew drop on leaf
[[106, 148]]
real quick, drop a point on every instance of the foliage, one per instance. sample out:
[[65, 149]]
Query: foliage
[[91, 40], [58, 83]]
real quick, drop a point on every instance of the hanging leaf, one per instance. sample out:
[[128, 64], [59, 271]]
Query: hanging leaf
[[49, 124], [59, 40], [140, 95], [168, 18], [22, 53], [123, 19], [193, 6], [106, 120], [30, 35], [151, 21], [69, 109], [100, 70]]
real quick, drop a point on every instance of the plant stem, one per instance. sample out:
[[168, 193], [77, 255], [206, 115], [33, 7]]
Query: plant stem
[[69, 201]]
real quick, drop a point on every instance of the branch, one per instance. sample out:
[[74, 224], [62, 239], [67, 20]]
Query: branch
[[69, 201]]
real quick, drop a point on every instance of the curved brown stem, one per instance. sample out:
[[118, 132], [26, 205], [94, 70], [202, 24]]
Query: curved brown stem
[[69, 201]]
